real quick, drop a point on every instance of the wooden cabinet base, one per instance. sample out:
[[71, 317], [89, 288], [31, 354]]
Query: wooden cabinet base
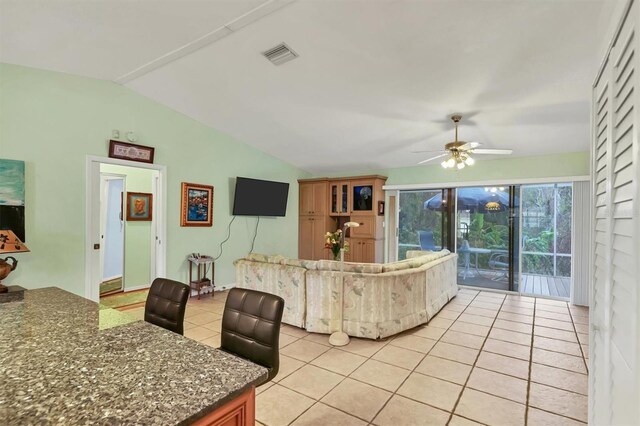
[[240, 411]]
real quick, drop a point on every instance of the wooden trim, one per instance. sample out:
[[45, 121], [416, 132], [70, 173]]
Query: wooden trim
[[342, 178], [239, 411]]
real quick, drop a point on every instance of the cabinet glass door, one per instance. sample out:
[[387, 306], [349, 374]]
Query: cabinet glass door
[[344, 206], [339, 198], [335, 199]]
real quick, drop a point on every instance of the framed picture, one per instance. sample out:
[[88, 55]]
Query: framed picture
[[130, 151], [139, 206], [197, 205], [381, 208], [12, 199]]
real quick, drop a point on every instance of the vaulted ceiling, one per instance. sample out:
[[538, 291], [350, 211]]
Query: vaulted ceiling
[[374, 80]]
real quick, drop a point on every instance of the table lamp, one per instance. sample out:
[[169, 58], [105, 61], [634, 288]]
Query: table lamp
[[340, 338], [9, 243]]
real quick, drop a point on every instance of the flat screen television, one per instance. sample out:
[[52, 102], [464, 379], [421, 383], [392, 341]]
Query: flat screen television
[[255, 197]]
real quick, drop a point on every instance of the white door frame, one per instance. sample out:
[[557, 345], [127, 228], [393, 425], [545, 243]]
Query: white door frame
[[92, 220], [104, 178]]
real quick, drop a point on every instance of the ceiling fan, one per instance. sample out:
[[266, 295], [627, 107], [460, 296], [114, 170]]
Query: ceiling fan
[[459, 152]]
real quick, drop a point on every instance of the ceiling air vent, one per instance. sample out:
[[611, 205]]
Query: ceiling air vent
[[280, 54]]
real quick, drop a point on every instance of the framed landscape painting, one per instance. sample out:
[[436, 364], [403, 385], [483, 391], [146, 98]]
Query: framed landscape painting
[[197, 205], [139, 206], [12, 197]]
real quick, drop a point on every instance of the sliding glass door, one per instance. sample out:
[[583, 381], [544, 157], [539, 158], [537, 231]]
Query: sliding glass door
[[546, 239], [497, 231], [485, 237]]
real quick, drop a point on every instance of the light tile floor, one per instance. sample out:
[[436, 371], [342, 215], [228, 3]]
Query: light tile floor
[[486, 358]]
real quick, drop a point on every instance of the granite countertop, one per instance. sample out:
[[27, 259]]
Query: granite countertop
[[58, 367]]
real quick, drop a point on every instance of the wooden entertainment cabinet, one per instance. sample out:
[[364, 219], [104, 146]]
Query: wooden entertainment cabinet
[[326, 204]]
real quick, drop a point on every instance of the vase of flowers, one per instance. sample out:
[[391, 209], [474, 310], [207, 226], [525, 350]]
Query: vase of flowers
[[332, 242]]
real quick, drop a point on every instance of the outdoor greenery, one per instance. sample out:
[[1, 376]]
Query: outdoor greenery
[[489, 230], [538, 205], [414, 217]]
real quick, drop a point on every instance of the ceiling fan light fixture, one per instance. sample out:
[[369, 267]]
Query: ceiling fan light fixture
[[459, 152]]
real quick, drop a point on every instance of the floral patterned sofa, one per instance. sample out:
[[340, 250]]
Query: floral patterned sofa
[[379, 299]]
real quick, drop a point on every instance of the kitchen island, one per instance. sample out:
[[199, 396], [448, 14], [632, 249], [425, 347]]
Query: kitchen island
[[58, 367]]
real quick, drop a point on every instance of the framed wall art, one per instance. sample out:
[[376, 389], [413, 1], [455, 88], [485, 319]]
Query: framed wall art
[[197, 205], [12, 197], [139, 206], [130, 151]]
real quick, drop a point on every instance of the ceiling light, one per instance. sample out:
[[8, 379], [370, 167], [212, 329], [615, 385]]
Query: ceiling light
[[470, 161], [460, 165]]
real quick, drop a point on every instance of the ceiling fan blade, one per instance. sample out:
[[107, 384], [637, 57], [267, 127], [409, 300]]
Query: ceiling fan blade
[[470, 145], [432, 158], [431, 150], [492, 151]]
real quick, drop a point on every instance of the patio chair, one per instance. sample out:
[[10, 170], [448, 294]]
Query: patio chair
[[499, 262], [426, 240]]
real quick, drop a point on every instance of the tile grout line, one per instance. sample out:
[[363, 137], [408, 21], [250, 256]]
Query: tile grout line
[[584, 359], [424, 355], [394, 393], [318, 401], [464, 387], [533, 331]]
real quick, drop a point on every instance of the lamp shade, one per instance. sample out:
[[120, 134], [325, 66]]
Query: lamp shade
[[10, 243]]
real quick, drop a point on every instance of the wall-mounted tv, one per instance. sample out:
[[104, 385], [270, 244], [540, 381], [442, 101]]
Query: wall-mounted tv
[[255, 197]]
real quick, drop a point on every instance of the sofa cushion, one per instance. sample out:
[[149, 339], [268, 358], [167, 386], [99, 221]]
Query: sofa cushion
[[415, 262], [265, 258], [398, 266], [300, 263], [411, 254], [362, 268]]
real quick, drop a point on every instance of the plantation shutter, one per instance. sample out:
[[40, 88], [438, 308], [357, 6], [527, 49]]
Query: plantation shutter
[[615, 333]]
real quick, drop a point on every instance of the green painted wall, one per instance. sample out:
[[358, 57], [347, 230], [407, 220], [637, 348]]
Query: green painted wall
[[137, 235], [558, 165], [52, 121]]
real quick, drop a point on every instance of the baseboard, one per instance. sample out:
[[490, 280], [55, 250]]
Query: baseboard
[[139, 287], [223, 287]]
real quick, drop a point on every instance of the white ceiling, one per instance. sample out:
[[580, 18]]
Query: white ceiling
[[375, 80]]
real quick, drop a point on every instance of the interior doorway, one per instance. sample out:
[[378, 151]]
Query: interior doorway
[[112, 229], [142, 253]]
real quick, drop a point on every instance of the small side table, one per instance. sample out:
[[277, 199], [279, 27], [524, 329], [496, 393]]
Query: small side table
[[201, 263]]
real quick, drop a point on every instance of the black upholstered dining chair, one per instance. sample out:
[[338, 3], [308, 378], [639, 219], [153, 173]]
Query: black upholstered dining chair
[[251, 327], [166, 304]]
